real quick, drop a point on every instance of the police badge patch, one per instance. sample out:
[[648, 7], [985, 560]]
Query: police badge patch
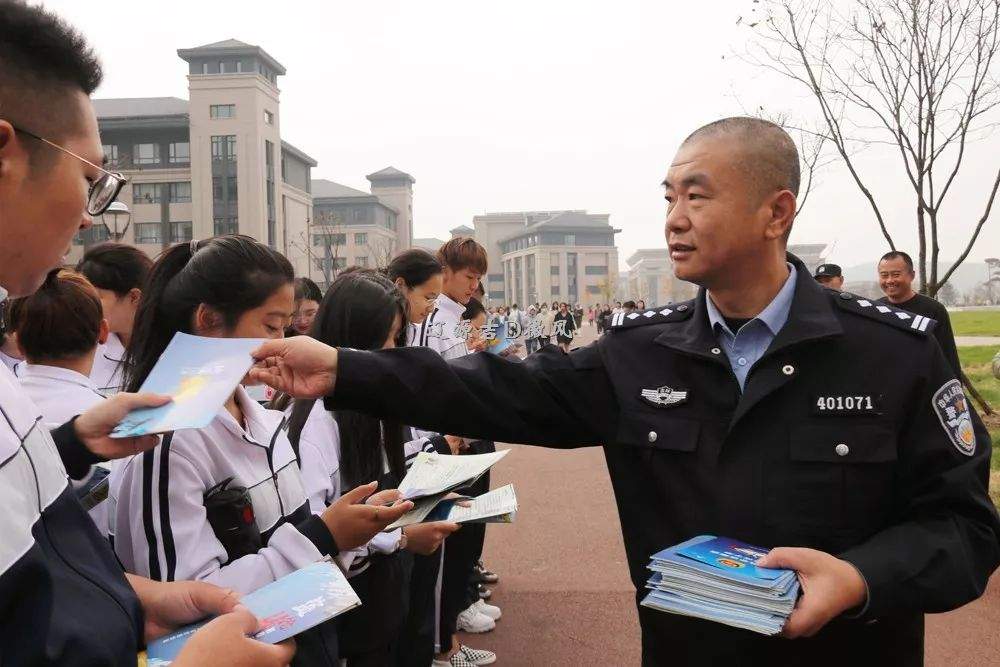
[[663, 397], [952, 409]]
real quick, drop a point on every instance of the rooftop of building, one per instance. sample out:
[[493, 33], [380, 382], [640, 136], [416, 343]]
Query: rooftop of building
[[231, 47], [564, 221], [322, 187], [390, 174], [430, 244]]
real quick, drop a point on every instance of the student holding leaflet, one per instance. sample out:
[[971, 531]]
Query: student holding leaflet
[[226, 503]]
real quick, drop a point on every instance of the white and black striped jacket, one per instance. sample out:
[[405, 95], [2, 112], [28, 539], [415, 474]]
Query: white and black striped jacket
[[159, 522], [438, 330], [64, 599], [109, 363]]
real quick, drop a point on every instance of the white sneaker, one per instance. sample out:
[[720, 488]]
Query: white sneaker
[[490, 610], [476, 656], [473, 620]]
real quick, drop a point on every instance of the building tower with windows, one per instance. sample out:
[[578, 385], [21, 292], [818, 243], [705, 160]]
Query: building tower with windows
[[214, 164]]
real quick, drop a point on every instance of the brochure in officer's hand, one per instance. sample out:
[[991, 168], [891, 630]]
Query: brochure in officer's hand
[[200, 374], [293, 604], [715, 578]]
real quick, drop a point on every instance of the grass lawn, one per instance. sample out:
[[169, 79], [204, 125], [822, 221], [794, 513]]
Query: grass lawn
[[976, 322], [976, 364]]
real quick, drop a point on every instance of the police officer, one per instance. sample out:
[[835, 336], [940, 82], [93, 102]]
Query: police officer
[[829, 275], [767, 409]]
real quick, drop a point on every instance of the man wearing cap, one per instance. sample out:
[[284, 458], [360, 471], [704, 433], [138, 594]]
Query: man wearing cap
[[829, 275]]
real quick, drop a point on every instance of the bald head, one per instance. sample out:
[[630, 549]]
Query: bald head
[[763, 150]]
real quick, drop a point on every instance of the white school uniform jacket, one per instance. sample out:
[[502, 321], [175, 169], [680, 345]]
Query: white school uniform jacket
[[438, 331], [13, 363], [159, 523], [61, 394], [319, 459], [108, 365]]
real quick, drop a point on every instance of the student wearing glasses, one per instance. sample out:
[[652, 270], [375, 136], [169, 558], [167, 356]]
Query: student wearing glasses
[[63, 594]]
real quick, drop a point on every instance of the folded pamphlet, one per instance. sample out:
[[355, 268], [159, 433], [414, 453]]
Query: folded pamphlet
[[715, 578], [293, 604], [434, 474], [200, 374]]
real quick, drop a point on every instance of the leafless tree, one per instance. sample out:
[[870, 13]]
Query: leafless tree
[[919, 76], [810, 142], [328, 225], [381, 252]]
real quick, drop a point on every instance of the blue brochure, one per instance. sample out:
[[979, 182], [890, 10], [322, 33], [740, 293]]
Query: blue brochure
[[200, 374], [293, 604], [500, 342], [732, 556]]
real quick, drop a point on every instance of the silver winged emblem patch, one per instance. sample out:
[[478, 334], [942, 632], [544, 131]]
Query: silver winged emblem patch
[[664, 397]]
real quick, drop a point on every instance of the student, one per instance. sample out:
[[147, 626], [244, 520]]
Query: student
[[464, 262], [419, 276], [307, 298], [64, 599], [241, 464], [118, 271], [58, 330], [564, 327], [337, 451]]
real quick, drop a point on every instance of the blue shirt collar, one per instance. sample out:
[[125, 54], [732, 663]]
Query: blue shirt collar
[[773, 316]]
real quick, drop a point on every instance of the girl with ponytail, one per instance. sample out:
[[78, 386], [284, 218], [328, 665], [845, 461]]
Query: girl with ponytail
[[226, 503]]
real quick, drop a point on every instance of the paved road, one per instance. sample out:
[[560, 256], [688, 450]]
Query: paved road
[[968, 341], [564, 586]]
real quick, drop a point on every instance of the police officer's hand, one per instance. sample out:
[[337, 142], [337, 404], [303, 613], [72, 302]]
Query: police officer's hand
[[300, 366], [94, 426], [425, 538], [225, 640], [352, 521], [830, 586]]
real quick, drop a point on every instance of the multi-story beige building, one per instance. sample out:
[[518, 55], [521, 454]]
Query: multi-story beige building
[[547, 256], [356, 228], [213, 164]]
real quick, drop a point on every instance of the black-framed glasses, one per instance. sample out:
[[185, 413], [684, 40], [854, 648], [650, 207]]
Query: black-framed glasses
[[103, 191]]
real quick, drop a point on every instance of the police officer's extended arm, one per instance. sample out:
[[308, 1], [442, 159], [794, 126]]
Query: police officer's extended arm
[[551, 398], [943, 544]]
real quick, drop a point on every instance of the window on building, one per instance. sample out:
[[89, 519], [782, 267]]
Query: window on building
[[180, 152], [146, 153], [555, 290], [111, 154], [358, 214], [596, 270], [225, 226], [270, 195], [149, 232], [268, 117], [361, 239], [332, 239], [180, 232], [362, 261], [222, 110], [554, 270], [339, 263], [570, 239], [593, 289], [180, 193], [224, 147], [146, 193]]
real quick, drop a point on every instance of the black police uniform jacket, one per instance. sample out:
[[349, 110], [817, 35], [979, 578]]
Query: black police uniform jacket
[[846, 439]]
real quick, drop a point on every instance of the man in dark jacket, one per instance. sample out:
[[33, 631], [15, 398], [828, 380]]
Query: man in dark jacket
[[767, 409]]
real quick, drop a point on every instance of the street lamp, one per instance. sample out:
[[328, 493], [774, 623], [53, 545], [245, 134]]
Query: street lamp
[[120, 217]]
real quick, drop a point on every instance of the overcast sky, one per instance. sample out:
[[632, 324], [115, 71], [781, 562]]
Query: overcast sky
[[516, 105]]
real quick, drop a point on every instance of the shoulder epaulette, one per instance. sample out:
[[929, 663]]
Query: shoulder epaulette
[[675, 312], [885, 313]]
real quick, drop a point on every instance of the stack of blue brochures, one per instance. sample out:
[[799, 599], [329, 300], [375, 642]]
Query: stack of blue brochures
[[715, 578]]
